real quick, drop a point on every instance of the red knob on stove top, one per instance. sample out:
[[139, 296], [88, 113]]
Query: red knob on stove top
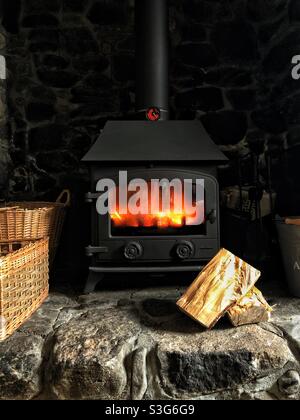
[[153, 114]]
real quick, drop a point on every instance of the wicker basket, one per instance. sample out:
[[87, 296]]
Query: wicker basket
[[32, 220], [19, 223], [24, 273]]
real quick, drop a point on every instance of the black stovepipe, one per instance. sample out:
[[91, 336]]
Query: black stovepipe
[[152, 56]]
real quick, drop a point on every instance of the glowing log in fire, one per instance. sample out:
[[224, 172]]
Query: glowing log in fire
[[159, 220], [158, 207]]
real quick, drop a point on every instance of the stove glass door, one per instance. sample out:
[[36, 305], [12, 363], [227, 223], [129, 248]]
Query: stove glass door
[[159, 209]]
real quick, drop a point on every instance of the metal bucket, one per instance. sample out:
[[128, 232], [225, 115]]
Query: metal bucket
[[289, 239]]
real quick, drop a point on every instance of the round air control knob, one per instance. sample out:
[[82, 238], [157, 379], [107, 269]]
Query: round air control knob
[[133, 251], [185, 250]]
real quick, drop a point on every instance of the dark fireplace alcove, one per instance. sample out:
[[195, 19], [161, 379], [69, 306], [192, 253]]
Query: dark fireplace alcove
[[68, 91], [67, 68]]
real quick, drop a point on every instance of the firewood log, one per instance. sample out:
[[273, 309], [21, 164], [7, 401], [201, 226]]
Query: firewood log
[[251, 309], [292, 222], [219, 286]]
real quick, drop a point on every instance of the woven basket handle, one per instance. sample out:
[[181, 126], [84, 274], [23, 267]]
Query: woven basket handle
[[9, 208], [67, 195]]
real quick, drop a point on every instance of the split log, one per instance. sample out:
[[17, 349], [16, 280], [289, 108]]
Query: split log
[[219, 286], [295, 222], [251, 309]]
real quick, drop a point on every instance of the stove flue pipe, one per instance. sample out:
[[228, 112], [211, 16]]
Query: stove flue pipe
[[152, 56]]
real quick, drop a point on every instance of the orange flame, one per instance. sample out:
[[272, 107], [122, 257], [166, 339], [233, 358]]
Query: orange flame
[[159, 220]]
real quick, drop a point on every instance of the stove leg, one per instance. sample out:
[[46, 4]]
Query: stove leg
[[91, 282]]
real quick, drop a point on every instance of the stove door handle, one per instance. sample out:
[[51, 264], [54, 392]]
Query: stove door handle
[[91, 250], [90, 197], [212, 216]]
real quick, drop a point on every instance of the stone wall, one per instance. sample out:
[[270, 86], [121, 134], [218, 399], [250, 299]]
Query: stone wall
[[70, 69], [4, 144]]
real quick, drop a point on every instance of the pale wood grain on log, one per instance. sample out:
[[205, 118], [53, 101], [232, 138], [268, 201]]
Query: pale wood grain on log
[[251, 309], [219, 286]]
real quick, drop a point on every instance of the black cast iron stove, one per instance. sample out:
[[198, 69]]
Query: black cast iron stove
[[152, 147]]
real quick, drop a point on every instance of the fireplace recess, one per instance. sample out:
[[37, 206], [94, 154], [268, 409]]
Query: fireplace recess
[[153, 147]]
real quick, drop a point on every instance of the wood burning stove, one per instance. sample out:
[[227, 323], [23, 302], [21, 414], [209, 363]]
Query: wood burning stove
[[160, 242], [152, 147]]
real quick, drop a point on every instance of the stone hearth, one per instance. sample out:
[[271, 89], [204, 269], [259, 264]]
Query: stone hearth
[[135, 344]]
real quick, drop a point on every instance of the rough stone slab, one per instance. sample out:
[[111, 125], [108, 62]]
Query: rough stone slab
[[59, 301], [132, 295], [20, 364], [105, 297], [90, 355], [220, 360], [286, 315], [159, 293], [136, 344]]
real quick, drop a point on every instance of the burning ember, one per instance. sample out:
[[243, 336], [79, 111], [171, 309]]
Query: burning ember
[[151, 205], [159, 220]]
